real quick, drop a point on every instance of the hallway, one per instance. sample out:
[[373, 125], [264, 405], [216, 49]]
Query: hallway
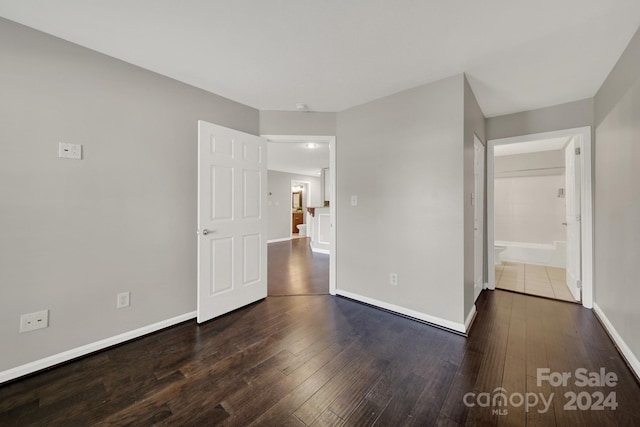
[[295, 270]]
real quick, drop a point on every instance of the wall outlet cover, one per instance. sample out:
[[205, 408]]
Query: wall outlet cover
[[124, 300], [393, 279], [32, 321]]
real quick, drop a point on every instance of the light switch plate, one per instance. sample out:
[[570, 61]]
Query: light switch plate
[[69, 151]]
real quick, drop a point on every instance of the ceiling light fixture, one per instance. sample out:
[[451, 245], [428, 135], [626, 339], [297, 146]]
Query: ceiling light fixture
[[311, 145]]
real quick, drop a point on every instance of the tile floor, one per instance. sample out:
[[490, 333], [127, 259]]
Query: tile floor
[[530, 279]]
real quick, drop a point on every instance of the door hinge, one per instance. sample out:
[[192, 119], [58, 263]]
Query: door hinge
[[578, 218], [579, 284], [577, 151]]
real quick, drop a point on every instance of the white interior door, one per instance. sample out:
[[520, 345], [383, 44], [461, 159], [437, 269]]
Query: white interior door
[[232, 228], [478, 200], [573, 217]]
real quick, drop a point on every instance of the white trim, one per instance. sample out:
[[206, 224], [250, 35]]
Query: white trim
[[284, 239], [491, 254], [627, 354], [322, 139], [333, 257], [469, 320], [447, 324], [68, 355], [584, 134], [321, 251]]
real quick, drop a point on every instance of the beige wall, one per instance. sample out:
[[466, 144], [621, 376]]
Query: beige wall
[[297, 123], [558, 117], [617, 201], [402, 156], [528, 209], [75, 233], [526, 203]]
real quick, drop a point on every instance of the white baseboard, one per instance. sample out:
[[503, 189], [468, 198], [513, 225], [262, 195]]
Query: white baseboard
[[284, 239], [628, 355], [65, 356], [446, 324], [320, 251], [469, 320]]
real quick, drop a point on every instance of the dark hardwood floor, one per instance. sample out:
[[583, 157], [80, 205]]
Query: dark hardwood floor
[[295, 270], [318, 360]]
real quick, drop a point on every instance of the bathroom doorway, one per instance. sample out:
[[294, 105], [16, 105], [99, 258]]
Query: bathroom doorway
[[301, 198], [539, 215]]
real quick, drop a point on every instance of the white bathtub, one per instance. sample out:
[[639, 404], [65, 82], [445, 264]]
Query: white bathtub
[[551, 255]]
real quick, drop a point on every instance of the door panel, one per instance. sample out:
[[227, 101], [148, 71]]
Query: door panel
[[573, 218], [232, 244], [221, 193], [221, 261], [252, 261], [252, 183]]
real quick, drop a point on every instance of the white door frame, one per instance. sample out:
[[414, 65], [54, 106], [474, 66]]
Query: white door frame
[[331, 140], [478, 211], [586, 227]]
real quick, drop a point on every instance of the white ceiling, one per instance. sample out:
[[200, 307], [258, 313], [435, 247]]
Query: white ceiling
[[530, 146], [292, 155], [335, 54]]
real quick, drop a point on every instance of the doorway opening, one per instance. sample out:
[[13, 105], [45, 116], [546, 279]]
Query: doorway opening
[[301, 198], [301, 212], [539, 215]]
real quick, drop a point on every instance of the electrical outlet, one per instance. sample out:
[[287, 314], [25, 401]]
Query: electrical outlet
[[393, 279], [69, 151], [123, 299], [33, 321]]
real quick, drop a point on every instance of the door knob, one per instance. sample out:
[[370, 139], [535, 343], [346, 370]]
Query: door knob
[[205, 231]]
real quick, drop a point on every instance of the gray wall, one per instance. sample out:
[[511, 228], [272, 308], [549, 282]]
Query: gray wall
[[474, 124], [297, 123], [279, 201], [402, 155], [75, 233], [617, 201], [558, 117], [530, 164]]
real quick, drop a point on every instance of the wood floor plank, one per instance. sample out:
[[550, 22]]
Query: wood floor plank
[[323, 360], [289, 394], [327, 419], [365, 414], [463, 382], [356, 389], [338, 384], [398, 410], [428, 405]]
